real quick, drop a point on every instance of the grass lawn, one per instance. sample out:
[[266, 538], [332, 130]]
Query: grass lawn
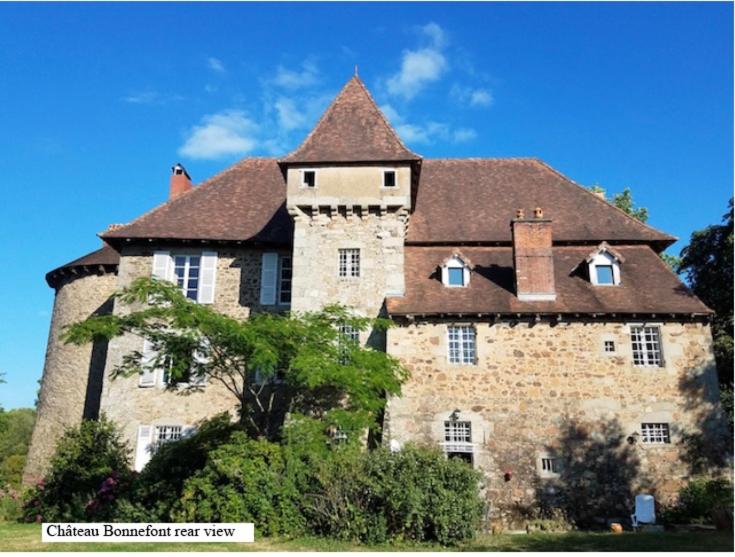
[[27, 537]]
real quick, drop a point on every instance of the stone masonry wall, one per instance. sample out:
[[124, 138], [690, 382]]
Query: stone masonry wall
[[317, 242], [237, 293], [537, 388], [66, 371]]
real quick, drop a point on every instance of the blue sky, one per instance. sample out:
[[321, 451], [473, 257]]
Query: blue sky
[[98, 101]]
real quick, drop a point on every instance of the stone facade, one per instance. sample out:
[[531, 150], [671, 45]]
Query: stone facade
[[72, 374], [533, 383], [237, 293]]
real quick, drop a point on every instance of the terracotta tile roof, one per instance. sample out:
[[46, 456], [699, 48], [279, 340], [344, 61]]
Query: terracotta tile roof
[[105, 257], [473, 200], [647, 285], [353, 129], [246, 202]]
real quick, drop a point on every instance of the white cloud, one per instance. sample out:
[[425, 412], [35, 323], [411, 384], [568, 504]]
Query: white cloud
[[143, 97], [471, 97], [421, 66], [292, 79], [225, 133], [289, 116], [428, 133], [481, 97], [216, 65], [463, 134]]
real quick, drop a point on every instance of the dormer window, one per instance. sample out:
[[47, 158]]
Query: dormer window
[[456, 271], [389, 179], [604, 266], [309, 178]]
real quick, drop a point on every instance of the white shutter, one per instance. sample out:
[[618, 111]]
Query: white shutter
[[201, 359], [143, 446], [162, 268], [188, 431], [207, 277], [148, 377], [268, 279]]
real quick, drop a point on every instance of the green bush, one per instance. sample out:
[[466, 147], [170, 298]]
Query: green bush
[[700, 500], [159, 486], [89, 471], [415, 494], [11, 506], [244, 481]]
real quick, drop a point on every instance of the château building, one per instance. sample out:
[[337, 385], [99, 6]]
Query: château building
[[526, 306]]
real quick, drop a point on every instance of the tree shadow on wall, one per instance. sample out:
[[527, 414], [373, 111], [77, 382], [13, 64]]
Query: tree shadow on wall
[[708, 444], [597, 478]]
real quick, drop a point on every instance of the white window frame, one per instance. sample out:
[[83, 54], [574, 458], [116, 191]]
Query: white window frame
[[458, 438], [604, 259], [456, 263], [164, 268], [351, 266], [395, 179], [346, 332], [605, 343], [186, 278], [463, 339], [302, 176], [644, 357], [160, 373], [655, 433]]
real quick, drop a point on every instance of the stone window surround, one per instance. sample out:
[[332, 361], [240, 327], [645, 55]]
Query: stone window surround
[[661, 347], [481, 430], [395, 179], [548, 474], [159, 381], [351, 264], [664, 415], [461, 341], [302, 182]]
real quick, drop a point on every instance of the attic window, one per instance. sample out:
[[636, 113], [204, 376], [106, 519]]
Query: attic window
[[389, 179], [455, 272], [309, 178], [604, 266]]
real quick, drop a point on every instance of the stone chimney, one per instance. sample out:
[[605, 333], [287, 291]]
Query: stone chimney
[[180, 181], [532, 258]]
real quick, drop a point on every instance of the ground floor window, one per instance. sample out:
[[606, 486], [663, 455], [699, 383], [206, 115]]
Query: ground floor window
[[458, 440], [164, 434], [655, 434]]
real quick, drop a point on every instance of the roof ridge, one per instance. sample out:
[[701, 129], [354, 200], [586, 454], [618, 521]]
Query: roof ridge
[[531, 159], [380, 112], [602, 200]]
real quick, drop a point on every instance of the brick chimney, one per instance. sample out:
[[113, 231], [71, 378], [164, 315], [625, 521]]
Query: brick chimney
[[180, 181], [532, 258]]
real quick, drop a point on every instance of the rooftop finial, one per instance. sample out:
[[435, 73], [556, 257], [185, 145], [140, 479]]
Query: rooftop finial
[[356, 71]]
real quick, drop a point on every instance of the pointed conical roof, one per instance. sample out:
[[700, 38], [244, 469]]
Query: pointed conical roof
[[353, 129]]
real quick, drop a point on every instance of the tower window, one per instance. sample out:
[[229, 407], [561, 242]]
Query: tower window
[[458, 440], [389, 179], [309, 178], [646, 345], [349, 262], [655, 434]]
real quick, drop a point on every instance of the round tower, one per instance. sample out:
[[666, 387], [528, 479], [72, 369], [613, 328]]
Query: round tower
[[72, 375]]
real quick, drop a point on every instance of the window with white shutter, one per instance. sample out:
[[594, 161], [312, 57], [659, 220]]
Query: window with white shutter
[[147, 376], [162, 268], [208, 277], [143, 446]]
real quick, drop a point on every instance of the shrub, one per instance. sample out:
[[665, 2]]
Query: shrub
[[159, 486], [701, 500], [88, 472], [11, 508], [244, 481], [415, 494]]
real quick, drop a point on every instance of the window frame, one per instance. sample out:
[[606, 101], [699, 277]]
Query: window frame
[[461, 340], [280, 280], [303, 183], [555, 466], [655, 433], [352, 266], [157, 442], [604, 259], [395, 179], [186, 278], [455, 262], [605, 343], [643, 355], [458, 444]]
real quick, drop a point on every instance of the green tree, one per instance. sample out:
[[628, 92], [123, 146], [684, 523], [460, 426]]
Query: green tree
[[707, 263], [16, 427], [274, 365]]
